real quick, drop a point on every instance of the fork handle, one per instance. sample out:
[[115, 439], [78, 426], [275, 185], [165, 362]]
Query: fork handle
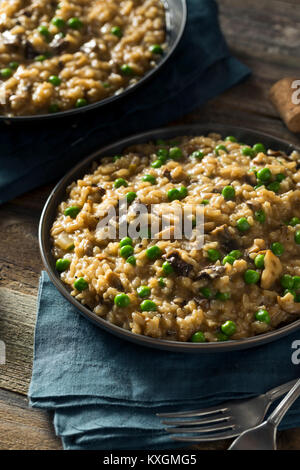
[[279, 391], [279, 412]]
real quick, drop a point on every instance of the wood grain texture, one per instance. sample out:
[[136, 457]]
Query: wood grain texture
[[264, 34], [24, 428]]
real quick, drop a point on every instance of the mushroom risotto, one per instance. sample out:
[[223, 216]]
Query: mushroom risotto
[[57, 55], [245, 278]]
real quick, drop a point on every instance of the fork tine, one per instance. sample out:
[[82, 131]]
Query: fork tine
[[194, 422], [193, 413], [215, 436], [204, 429]]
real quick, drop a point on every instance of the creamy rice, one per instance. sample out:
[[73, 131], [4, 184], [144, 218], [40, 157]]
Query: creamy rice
[[190, 293], [57, 55]]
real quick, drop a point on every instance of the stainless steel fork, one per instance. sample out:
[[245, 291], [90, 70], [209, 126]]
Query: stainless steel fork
[[223, 421], [263, 436]]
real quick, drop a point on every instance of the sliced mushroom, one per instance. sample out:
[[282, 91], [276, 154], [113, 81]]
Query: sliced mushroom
[[210, 273], [271, 271], [182, 268], [288, 305], [227, 239]]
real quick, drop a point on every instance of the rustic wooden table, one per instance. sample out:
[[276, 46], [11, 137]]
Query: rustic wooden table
[[264, 34]]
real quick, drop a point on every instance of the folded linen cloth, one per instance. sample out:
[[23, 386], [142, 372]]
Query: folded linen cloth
[[37, 153], [105, 392]]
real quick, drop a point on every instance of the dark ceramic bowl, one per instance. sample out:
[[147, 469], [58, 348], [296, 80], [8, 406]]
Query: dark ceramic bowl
[[176, 16], [58, 194]]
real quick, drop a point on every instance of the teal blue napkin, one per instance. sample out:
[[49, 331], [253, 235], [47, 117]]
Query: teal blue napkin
[[105, 392], [38, 153]]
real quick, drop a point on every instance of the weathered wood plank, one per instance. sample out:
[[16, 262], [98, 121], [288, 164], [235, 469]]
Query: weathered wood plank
[[24, 428], [17, 320]]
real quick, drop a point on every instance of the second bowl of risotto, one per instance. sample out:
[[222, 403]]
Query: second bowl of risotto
[[62, 56], [113, 238]]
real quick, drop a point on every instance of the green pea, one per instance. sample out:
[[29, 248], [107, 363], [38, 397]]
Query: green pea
[[183, 192], [72, 211], [13, 65], [236, 254], [297, 237], [243, 224], [120, 182], [222, 337], [131, 196], [277, 248], [175, 153], [198, 155], [62, 264], [54, 80], [161, 282], [80, 102], [223, 296], [287, 281], [213, 254], [148, 306], [163, 154], [230, 138], [126, 70], [228, 193], [248, 152], [81, 284], [260, 216], [149, 179], [259, 148], [206, 292], [126, 251], [75, 23], [117, 157], [6, 73], [153, 252], [198, 337], [167, 268], [228, 259], [220, 147], [264, 175], [41, 58], [43, 30], [174, 194], [205, 202], [251, 276], [274, 186], [296, 280], [59, 22], [131, 260], [280, 177], [156, 49], [156, 164], [262, 315], [122, 300], [228, 328], [294, 221], [259, 261], [54, 108], [143, 291], [116, 31], [125, 241], [105, 84]]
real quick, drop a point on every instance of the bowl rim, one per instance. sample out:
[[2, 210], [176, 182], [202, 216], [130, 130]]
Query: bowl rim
[[176, 346], [110, 99]]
